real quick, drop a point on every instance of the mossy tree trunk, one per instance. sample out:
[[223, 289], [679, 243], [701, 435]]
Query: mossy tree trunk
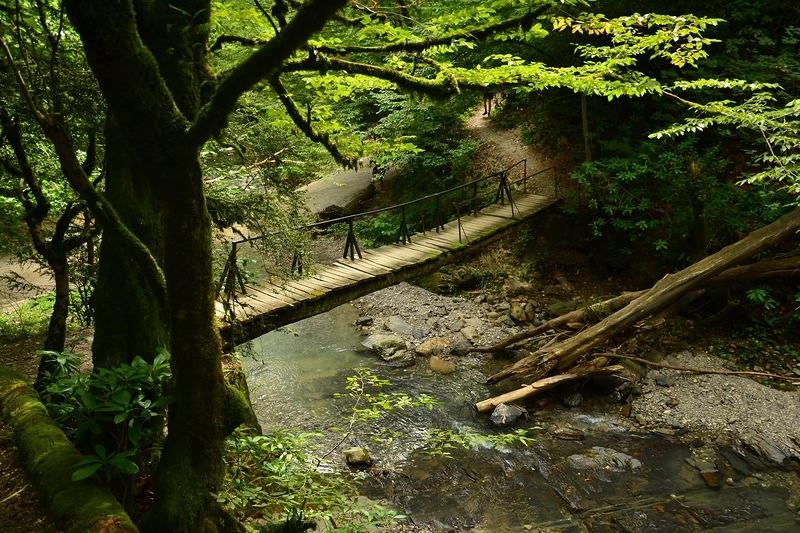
[[76, 506], [130, 319], [156, 276]]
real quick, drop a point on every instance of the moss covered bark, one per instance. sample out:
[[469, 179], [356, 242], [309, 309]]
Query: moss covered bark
[[75, 506]]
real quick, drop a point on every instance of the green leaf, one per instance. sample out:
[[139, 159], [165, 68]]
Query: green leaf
[[124, 465], [86, 471], [134, 433], [100, 450]]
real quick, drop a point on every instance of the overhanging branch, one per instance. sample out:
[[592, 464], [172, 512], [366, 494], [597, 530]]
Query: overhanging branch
[[262, 64], [479, 33], [304, 124], [441, 87], [80, 183]]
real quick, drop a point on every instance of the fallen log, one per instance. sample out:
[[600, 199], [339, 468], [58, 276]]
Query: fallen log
[[765, 270], [75, 506], [591, 312], [664, 293], [785, 267], [542, 385]]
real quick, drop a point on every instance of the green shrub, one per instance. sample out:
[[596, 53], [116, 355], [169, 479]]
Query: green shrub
[[117, 415]]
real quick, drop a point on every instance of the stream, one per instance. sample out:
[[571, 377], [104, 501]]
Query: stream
[[612, 480]]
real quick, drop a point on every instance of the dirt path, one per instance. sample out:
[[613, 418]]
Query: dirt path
[[502, 148]]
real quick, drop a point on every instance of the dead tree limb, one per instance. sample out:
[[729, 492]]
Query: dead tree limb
[[786, 267], [542, 385], [745, 373], [764, 270], [664, 293]]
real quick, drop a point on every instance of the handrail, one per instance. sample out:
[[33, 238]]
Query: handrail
[[347, 218]]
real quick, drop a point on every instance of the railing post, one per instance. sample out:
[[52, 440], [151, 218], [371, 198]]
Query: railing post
[[504, 191], [524, 175], [351, 245], [297, 262], [458, 217], [437, 215], [475, 199], [555, 181], [230, 274], [402, 234]]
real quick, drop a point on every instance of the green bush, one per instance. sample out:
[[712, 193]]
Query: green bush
[[117, 415], [672, 201]]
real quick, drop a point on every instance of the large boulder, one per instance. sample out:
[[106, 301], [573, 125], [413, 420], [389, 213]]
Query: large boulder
[[461, 348], [471, 334], [505, 415], [357, 457], [397, 325], [387, 344], [442, 366], [390, 348]]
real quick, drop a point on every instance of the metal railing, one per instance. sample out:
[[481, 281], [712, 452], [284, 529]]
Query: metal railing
[[474, 195]]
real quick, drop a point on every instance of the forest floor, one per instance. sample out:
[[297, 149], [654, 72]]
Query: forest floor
[[725, 405]]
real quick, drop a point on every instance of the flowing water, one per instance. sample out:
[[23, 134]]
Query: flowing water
[[612, 480]]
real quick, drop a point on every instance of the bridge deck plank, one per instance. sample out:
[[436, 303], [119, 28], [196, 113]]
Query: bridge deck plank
[[351, 270], [423, 250], [366, 267], [392, 261], [408, 253], [327, 273], [427, 241], [288, 293], [267, 294], [443, 240], [381, 264], [318, 284]]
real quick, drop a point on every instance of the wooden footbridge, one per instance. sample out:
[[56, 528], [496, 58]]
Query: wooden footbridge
[[485, 211]]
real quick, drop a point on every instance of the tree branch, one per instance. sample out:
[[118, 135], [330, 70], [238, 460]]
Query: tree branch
[[262, 64], [79, 181], [304, 124], [441, 87], [700, 370], [480, 33]]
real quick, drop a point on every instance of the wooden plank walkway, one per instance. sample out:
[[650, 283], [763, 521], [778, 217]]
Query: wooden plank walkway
[[264, 308]]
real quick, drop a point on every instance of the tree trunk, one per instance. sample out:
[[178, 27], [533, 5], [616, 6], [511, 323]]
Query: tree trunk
[[75, 506], [591, 312], [664, 293], [542, 385], [128, 318], [152, 67], [587, 143], [191, 469], [57, 327]]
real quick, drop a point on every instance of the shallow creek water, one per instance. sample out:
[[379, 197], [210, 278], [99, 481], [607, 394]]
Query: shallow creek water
[[614, 480]]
